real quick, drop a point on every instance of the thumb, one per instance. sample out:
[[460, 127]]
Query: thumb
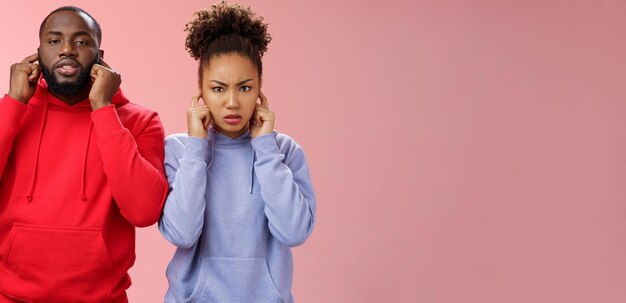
[[195, 98], [95, 69], [34, 72]]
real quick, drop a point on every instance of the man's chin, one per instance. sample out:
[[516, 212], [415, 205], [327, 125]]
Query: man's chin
[[65, 87], [62, 79]]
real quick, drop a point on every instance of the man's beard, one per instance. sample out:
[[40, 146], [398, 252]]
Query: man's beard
[[68, 88]]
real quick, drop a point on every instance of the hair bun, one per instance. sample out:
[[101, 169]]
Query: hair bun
[[225, 19]]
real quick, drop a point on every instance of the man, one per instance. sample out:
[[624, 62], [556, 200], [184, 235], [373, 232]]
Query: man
[[80, 168]]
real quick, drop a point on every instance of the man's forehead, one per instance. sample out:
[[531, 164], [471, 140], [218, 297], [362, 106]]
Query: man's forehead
[[67, 20]]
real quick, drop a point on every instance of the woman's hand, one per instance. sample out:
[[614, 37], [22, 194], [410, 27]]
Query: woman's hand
[[262, 121], [198, 118]]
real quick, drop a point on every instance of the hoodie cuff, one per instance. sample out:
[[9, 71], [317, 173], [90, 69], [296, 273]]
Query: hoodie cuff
[[265, 145], [11, 112], [196, 149], [106, 122]]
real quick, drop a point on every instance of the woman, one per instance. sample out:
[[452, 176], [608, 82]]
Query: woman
[[241, 193]]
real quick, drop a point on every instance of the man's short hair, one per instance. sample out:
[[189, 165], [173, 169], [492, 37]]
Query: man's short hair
[[96, 25]]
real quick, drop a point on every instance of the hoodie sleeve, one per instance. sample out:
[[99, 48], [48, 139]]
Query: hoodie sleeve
[[134, 167], [186, 169], [286, 188], [11, 113]]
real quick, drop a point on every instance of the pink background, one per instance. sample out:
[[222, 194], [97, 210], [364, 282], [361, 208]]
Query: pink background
[[462, 151]]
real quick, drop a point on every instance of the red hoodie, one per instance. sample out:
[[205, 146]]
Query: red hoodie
[[74, 184]]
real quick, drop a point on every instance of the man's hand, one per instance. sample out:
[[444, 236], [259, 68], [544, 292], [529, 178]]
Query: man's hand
[[23, 81], [105, 83]]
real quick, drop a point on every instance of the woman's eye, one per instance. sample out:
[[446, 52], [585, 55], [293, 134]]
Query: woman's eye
[[218, 89], [245, 88]]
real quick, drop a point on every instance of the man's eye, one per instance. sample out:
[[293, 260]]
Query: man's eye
[[54, 41], [245, 88], [80, 42], [218, 89]]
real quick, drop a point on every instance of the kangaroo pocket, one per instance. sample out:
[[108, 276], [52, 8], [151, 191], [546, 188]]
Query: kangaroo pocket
[[235, 280], [56, 265]]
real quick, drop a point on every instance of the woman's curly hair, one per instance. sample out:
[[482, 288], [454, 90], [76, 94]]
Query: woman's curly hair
[[227, 28]]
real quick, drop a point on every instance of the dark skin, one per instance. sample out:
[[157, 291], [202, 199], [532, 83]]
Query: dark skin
[[67, 36]]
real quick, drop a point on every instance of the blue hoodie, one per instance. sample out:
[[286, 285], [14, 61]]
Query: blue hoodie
[[235, 208]]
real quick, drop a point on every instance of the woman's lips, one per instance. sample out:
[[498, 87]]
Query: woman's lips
[[232, 119]]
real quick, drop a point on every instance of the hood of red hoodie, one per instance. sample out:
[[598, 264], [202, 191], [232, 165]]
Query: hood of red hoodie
[[47, 100], [42, 95]]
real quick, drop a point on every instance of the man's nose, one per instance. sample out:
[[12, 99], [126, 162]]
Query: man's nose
[[68, 49]]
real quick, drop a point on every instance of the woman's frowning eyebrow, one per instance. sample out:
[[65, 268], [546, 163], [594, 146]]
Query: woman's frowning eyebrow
[[224, 84]]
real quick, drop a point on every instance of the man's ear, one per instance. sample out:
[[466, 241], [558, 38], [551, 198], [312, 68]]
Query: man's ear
[[101, 51]]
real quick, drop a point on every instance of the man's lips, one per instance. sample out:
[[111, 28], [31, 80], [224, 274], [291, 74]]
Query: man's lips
[[67, 67], [232, 119]]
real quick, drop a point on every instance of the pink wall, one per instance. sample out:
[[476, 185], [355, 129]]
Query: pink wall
[[462, 151]]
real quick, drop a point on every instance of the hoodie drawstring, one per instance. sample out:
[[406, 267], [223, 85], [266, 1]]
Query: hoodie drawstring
[[31, 189], [83, 194], [29, 196], [252, 172]]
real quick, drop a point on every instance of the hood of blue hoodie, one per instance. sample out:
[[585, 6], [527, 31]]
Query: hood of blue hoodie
[[226, 142]]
